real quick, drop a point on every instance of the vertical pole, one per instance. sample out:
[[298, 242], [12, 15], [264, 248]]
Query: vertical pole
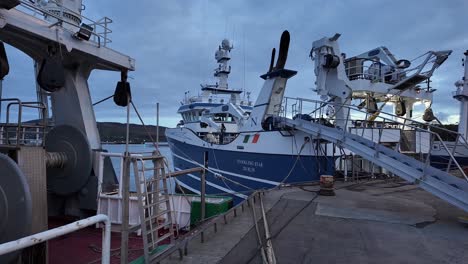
[[37, 135], [125, 199], [1, 128], [40, 93], [157, 126], [202, 189], [202, 193], [106, 241], [155, 186], [1, 90]]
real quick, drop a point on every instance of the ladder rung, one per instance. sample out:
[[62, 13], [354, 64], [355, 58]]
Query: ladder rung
[[134, 228], [159, 226], [149, 205], [160, 190], [163, 237], [155, 179], [148, 192], [160, 201], [147, 169], [154, 192], [163, 212], [151, 157], [151, 221], [152, 180], [153, 217], [167, 223]]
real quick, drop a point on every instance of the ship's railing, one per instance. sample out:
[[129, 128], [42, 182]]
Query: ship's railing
[[375, 71], [110, 197], [16, 132], [38, 238], [182, 244], [458, 92], [101, 30], [216, 99], [426, 135]]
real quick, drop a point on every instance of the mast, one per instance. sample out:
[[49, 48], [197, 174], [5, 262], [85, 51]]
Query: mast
[[461, 94], [223, 57]]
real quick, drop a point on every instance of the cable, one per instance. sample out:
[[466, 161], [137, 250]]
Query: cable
[[294, 216], [217, 167], [144, 126], [216, 174], [294, 165], [105, 99]]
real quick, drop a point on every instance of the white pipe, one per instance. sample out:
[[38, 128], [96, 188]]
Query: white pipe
[[60, 231], [107, 154]]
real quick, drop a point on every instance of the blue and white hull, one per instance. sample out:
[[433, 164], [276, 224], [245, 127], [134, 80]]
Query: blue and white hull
[[247, 164]]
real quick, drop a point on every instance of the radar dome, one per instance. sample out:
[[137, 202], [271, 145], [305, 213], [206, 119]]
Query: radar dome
[[219, 54], [226, 44]]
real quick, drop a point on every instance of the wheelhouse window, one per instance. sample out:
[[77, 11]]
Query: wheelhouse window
[[192, 116], [223, 118]]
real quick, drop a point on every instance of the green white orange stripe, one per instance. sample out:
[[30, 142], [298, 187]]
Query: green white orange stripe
[[251, 138]]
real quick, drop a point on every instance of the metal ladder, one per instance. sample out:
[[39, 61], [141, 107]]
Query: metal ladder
[[440, 183], [150, 198]]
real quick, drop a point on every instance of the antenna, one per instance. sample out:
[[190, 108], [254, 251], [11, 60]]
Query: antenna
[[243, 51]]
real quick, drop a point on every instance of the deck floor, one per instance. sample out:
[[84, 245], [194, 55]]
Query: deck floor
[[367, 222]]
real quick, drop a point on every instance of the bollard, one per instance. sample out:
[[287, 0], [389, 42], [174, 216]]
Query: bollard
[[326, 185]]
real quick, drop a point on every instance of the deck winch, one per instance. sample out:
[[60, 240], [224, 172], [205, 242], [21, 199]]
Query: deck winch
[[68, 160], [15, 204]]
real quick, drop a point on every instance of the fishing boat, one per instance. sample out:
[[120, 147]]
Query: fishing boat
[[349, 118], [251, 147], [239, 138]]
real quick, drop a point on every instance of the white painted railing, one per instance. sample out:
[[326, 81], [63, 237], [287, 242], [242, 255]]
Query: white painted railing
[[60, 231]]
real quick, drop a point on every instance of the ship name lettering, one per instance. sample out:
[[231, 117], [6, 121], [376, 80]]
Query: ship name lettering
[[258, 164]]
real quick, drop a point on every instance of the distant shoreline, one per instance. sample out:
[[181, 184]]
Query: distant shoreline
[[116, 133]]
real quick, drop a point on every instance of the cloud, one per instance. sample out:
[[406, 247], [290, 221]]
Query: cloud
[[173, 43]]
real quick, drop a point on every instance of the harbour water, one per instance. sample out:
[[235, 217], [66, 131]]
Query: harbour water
[[138, 148]]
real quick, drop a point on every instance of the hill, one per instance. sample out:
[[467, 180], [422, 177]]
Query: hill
[[112, 132]]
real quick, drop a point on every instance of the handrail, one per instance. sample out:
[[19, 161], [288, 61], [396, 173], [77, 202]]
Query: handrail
[[181, 244], [353, 107], [363, 73], [103, 22], [60, 231], [20, 127], [404, 124]]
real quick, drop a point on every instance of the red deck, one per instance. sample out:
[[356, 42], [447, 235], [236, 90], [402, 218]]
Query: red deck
[[84, 246]]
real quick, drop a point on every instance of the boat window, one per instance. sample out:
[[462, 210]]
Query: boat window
[[223, 118], [197, 115]]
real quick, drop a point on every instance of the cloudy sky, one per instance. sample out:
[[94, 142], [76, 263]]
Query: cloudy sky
[[174, 41]]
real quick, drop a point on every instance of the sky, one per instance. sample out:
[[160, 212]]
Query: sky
[[174, 41]]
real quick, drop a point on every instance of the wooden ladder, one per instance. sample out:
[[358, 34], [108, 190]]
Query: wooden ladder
[[150, 198]]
